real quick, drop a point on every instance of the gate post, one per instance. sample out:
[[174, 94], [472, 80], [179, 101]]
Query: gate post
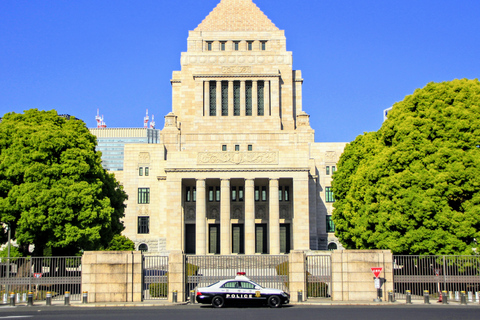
[[176, 276], [297, 274]]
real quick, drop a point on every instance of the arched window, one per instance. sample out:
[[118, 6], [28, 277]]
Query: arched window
[[332, 246], [143, 247]]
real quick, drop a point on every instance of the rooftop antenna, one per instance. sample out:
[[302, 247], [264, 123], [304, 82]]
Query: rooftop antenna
[[152, 123], [100, 123], [145, 121]]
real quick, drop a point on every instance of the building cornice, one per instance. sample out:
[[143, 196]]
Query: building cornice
[[286, 169]]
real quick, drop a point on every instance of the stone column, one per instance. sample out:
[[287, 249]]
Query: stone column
[[275, 97], [301, 221], [174, 212], [266, 98], [249, 216], [314, 232], [225, 225], [242, 98], [274, 218], [219, 98], [230, 97], [254, 98], [201, 219], [296, 268], [206, 98]]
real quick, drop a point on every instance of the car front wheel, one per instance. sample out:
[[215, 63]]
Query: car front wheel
[[218, 301], [274, 302]]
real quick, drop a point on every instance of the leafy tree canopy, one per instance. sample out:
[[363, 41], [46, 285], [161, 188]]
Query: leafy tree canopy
[[414, 185], [53, 190]]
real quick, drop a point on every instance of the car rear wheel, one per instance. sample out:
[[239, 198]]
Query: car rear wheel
[[218, 302], [274, 302]]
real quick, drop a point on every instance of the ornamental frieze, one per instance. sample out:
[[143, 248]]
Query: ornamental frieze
[[237, 158], [237, 69]]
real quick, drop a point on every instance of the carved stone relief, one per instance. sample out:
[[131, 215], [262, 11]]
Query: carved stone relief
[[330, 156], [190, 213], [285, 212], [261, 212], [237, 69], [237, 158], [143, 210], [237, 212], [213, 213], [144, 157]]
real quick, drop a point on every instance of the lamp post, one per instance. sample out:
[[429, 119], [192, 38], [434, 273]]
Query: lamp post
[[8, 258]]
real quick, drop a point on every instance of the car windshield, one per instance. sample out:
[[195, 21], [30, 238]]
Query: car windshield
[[213, 284]]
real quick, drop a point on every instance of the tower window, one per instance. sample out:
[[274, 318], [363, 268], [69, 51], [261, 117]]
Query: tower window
[[236, 98], [236, 44], [263, 45], [237, 147], [248, 98], [260, 98], [224, 98], [250, 45], [213, 98], [209, 45], [222, 45]]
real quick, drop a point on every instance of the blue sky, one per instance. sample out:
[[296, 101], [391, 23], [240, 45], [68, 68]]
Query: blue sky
[[357, 57]]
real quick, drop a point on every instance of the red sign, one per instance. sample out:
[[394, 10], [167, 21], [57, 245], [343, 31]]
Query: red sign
[[37, 275], [376, 271]]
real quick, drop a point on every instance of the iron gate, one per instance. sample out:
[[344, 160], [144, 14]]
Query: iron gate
[[435, 274], [40, 275], [155, 278], [319, 276], [267, 271]]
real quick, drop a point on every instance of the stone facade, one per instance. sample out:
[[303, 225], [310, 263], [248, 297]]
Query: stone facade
[[237, 169]]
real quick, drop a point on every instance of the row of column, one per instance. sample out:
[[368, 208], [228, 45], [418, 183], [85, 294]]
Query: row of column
[[266, 97], [225, 225]]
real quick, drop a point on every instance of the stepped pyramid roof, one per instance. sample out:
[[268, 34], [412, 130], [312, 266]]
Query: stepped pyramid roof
[[236, 15]]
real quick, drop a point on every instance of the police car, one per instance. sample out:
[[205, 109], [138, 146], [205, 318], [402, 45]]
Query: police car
[[241, 290]]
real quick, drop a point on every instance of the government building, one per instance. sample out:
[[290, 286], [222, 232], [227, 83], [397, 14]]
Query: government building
[[235, 169]]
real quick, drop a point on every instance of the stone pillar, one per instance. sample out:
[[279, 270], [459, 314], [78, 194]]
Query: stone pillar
[[275, 97], [176, 276], [225, 225], [174, 213], [249, 216], [219, 98], [312, 189], [266, 98], [254, 98], [230, 97], [301, 223], [206, 98], [242, 98], [296, 266], [201, 219], [274, 218]]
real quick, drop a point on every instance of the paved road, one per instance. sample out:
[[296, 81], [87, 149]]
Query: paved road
[[293, 312]]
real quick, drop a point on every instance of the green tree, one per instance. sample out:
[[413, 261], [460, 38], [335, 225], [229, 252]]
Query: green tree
[[53, 190], [121, 243], [414, 185]]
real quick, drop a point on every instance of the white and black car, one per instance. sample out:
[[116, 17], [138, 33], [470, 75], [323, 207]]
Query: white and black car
[[241, 291]]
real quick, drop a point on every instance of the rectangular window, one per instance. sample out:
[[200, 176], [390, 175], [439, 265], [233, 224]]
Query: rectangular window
[[213, 98], [224, 98], [234, 194], [140, 171], [250, 147], [217, 194], [329, 194], [236, 98], [237, 147], [210, 194], [264, 193], [328, 170], [287, 194], [330, 224], [209, 45], [238, 239], [260, 98], [188, 194], [261, 238], [214, 238], [333, 169], [250, 45], [240, 193], [222, 45], [285, 238], [280, 194], [194, 194], [248, 98], [143, 195], [147, 171], [224, 147], [143, 225], [263, 45], [257, 193], [236, 44]]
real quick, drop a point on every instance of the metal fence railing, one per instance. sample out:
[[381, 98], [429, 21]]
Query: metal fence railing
[[155, 278], [319, 276], [268, 271], [40, 275], [436, 274]]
